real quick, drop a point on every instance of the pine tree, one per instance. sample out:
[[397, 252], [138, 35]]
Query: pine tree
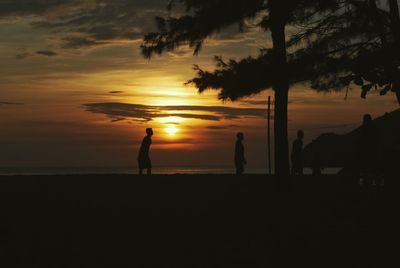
[[358, 45], [273, 68]]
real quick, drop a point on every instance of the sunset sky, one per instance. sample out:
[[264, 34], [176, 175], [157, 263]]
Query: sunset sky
[[76, 92]]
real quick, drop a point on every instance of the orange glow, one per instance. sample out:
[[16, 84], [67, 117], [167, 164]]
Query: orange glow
[[171, 120], [171, 130]]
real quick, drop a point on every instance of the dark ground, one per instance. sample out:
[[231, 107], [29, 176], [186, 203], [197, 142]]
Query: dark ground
[[189, 221]]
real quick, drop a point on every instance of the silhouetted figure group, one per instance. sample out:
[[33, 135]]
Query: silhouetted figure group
[[297, 157], [366, 164], [145, 162], [366, 147]]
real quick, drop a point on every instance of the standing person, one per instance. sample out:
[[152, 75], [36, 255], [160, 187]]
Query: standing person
[[240, 160], [297, 151], [143, 157], [368, 150]]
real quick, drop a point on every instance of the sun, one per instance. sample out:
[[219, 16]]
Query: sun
[[171, 130], [171, 120]]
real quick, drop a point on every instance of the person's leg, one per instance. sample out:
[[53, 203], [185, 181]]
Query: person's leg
[[239, 170], [300, 166], [293, 171], [140, 167], [149, 167]]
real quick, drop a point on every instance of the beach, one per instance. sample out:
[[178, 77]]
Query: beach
[[188, 221]]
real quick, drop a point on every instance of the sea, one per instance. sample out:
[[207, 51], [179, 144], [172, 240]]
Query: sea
[[13, 171]]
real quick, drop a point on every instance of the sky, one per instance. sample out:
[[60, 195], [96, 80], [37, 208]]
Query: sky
[[76, 92]]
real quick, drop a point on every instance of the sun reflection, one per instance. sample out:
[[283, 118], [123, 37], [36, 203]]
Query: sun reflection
[[171, 130]]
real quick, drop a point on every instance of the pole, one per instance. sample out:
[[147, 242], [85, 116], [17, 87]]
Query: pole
[[269, 135]]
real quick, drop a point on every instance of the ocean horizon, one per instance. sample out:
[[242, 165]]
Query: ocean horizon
[[15, 171], [7, 171]]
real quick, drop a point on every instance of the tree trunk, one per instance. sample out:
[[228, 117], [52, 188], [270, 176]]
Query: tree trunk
[[281, 87], [395, 26], [395, 19]]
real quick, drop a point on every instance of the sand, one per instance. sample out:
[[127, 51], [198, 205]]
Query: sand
[[189, 221]]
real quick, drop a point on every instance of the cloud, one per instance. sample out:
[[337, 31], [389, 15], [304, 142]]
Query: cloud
[[23, 55], [147, 113], [104, 22], [47, 53], [178, 141], [255, 102], [118, 119], [116, 92], [87, 23], [9, 103], [221, 127], [10, 8], [80, 42]]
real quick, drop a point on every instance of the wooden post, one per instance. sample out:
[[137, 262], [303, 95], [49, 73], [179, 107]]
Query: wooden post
[[269, 135]]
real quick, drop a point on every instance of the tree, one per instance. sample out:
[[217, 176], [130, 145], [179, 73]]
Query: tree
[[359, 45], [204, 18]]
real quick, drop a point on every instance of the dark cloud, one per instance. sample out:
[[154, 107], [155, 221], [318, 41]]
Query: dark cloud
[[23, 55], [88, 23], [91, 23], [147, 113], [9, 103], [79, 42], [118, 119], [47, 53], [116, 92], [255, 102], [12, 8], [105, 22], [178, 141], [221, 127], [223, 111]]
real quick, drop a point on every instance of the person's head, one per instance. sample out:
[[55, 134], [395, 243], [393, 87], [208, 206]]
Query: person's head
[[300, 134], [367, 119], [240, 136], [149, 132]]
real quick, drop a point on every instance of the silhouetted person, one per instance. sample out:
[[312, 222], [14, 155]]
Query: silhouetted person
[[367, 149], [297, 151], [143, 157], [240, 160]]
